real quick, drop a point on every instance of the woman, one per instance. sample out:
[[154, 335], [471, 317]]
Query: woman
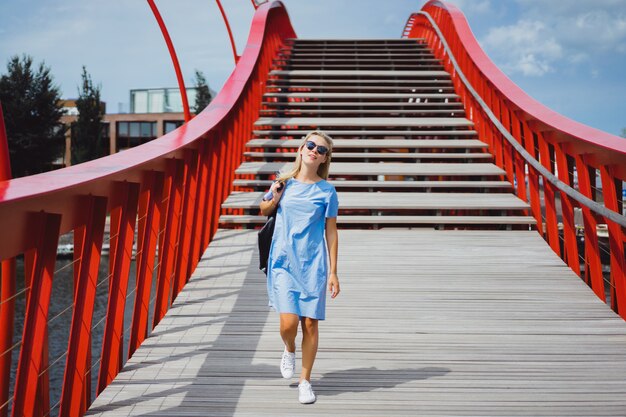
[[298, 271]]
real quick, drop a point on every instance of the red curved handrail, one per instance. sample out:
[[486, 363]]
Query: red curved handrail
[[168, 191], [561, 147]]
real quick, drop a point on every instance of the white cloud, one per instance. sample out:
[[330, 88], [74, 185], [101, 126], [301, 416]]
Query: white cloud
[[472, 6], [557, 36], [525, 47]]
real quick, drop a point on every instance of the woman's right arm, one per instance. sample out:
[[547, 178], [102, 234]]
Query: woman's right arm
[[268, 206]]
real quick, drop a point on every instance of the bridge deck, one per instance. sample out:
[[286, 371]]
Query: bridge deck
[[429, 323]]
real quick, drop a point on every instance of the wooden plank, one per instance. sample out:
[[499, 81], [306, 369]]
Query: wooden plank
[[405, 83], [387, 168], [390, 184], [364, 121], [362, 95], [428, 323], [394, 105], [353, 73], [308, 112], [404, 220], [376, 143], [377, 155], [368, 132], [400, 201]]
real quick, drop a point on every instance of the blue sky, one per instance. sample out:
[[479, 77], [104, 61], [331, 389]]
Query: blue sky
[[569, 55]]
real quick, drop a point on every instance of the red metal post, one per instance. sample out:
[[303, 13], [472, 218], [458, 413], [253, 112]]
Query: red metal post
[[79, 346], [170, 47], [611, 191], [533, 178], [201, 205], [549, 193], [7, 290], [186, 225], [230, 33], [112, 342], [175, 170], [567, 208], [36, 319], [593, 265], [150, 213]]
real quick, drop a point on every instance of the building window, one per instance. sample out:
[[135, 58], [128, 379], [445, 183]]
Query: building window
[[160, 100], [172, 125], [131, 134]]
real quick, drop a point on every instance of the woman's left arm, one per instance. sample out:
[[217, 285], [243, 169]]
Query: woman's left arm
[[332, 240]]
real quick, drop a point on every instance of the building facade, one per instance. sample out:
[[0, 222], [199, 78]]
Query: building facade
[[153, 113]]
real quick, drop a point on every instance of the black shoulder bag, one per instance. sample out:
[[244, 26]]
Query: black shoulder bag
[[265, 238], [265, 241]]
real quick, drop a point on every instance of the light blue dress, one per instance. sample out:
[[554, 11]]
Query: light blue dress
[[298, 260]]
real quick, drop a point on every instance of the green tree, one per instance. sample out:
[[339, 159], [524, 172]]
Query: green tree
[[32, 113], [87, 140], [623, 132], [203, 95]]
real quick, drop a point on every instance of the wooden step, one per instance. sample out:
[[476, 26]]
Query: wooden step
[[367, 220], [393, 54], [414, 89], [390, 105], [403, 83], [360, 41], [338, 73], [438, 96], [376, 143], [386, 168], [400, 201], [414, 49], [377, 155], [364, 121], [295, 112], [367, 132], [356, 60], [381, 185], [358, 67]]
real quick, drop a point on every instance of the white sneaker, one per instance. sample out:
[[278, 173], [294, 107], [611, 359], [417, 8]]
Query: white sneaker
[[288, 364], [306, 394]]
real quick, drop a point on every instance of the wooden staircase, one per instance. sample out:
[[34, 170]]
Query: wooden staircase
[[404, 152]]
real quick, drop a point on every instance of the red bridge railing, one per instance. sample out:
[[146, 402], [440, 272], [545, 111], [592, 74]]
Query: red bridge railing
[[553, 161], [168, 192]]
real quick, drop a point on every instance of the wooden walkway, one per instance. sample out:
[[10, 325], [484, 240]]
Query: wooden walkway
[[454, 323]]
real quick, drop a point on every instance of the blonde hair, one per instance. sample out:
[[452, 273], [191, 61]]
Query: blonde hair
[[324, 167]]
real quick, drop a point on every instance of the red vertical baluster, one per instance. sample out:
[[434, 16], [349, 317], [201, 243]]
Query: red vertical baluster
[[506, 146], [150, 211], [73, 400], [125, 206], [35, 324], [567, 208], [186, 222], [549, 193], [533, 177], [7, 290], [207, 233], [176, 171], [612, 191], [201, 205], [593, 266], [520, 175]]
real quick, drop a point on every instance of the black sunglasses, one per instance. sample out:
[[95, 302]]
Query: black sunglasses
[[322, 150]]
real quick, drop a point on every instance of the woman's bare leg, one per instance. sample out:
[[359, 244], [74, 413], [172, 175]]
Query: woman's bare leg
[[289, 330], [309, 346]]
